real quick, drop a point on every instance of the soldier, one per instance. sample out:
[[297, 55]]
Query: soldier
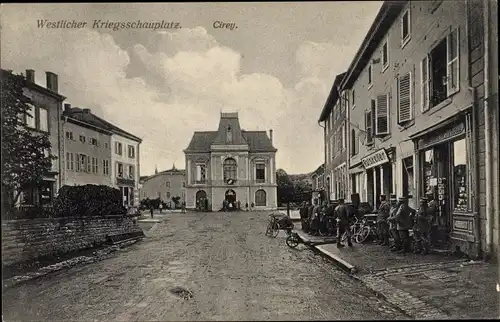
[[392, 223], [432, 211], [343, 223], [421, 228], [383, 225], [404, 224]]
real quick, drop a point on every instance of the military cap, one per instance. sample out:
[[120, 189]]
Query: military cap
[[403, 198], [340, 199], [394, 197]]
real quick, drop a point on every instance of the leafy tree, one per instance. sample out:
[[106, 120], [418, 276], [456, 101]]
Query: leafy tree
[[176, 200], [25, 157], [285, 186]]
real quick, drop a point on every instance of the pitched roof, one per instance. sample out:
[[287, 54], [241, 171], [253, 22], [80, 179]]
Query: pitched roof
[[172, 171], [229, 123], [258, 141], [86, 117], [332, 98], [386, 16]]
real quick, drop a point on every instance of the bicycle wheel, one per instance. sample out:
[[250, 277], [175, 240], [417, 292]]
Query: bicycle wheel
[[363, 234], [275, 230], [269, 229], [292, 241]]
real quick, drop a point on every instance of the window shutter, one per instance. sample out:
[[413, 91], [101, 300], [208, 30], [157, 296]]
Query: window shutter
[[424, 83], [405, 109], [453, 64], [368, 127], [382, 115]]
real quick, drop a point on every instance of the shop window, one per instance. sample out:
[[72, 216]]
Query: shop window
[[408, 177], [460, 176], [429, 172]]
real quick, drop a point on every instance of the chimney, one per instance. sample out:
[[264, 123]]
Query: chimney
[[271, 135], [67, 107], [30, 75], [52, 81], [86, 110]]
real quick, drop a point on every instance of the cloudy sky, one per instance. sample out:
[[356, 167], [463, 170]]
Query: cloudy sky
[[275, 69]]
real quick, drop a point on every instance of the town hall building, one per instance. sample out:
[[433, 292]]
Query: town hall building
[[231, 164]]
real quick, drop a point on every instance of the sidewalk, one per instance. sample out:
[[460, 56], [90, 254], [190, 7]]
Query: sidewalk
[[423, 286]]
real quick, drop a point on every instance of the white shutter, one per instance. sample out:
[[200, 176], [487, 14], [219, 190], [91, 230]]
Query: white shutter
[[405, 110], [453, 63], [382, 115], [424, 84]]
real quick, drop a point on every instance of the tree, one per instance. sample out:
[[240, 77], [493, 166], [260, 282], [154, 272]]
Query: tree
[[285, 186], [25, 153], [176, 200]]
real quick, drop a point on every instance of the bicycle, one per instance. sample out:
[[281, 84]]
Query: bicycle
[[368, 229], [354, 228], [274, 227]]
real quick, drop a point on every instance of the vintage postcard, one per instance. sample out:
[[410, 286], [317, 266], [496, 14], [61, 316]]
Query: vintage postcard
[[240, 161]]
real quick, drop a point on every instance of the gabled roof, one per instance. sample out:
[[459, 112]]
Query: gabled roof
[[386, 16], [86, 117], [172, 171], [332, 98]]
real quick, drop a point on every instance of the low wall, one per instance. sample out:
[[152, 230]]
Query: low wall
[[26, 239]]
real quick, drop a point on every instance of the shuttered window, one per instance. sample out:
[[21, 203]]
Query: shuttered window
[[424, 84], [382, 115], [368, 127], [405, 110]]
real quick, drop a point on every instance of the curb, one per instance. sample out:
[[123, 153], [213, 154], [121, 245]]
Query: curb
[[338, 260], [67, 264]]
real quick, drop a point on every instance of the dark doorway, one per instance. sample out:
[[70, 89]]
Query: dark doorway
[[201, 196], [231, 199]]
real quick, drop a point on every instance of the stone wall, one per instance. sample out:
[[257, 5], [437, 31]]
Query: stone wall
[[26, 239]]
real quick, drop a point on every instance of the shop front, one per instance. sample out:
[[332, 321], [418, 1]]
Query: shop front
[[379, 175], [447, 174]]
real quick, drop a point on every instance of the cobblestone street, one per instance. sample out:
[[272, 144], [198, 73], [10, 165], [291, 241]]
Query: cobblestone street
[[194, 266]]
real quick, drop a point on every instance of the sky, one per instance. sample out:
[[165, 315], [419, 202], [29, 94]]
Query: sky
[[275, 69]]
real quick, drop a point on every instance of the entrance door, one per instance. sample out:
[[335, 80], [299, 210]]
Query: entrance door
[[231, 199], [442, 192], [201, 196]]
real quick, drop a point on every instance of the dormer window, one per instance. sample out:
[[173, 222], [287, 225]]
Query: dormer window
[[229, 135]]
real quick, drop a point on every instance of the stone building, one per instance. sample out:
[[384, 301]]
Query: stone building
[[98, 152], [421, 92], [165, 185], [334, 117], [318, 189], [46, 106], [231, 164]]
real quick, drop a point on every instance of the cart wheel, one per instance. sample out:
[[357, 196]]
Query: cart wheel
[[292, 241]]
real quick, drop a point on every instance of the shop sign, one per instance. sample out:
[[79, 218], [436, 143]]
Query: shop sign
[[441, 137], [375, 159]]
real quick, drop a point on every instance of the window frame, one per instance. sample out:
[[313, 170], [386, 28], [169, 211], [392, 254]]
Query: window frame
[[385, 64], [257, 164], [369, 127], [370, 75], [200, 179], [260, 204], [449, 62], [425, 83], [405, 39], [233, 167], [131, 151], [118, 148], [30, 114], [353, 97], [39, 126]]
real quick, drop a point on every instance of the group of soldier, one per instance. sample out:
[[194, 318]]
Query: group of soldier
[[396, 218]]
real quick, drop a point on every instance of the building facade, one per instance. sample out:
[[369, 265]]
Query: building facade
[[165, 185], [334, 118], [87, 148], [233, 165], [46, 105], [98, 152], [318, 188], [416, 88], [125, 165]]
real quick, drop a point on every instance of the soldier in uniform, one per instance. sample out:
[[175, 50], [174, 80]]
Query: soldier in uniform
[[343, 223], [394, 205], [404, 224], [383, 225], [432, 211], [421, 228]]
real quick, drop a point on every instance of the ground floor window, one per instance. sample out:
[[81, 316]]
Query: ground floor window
[[460, 178], [260, 198], [128, 195]]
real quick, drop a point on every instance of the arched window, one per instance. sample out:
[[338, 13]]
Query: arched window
[[260, 198], [230, 169]]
